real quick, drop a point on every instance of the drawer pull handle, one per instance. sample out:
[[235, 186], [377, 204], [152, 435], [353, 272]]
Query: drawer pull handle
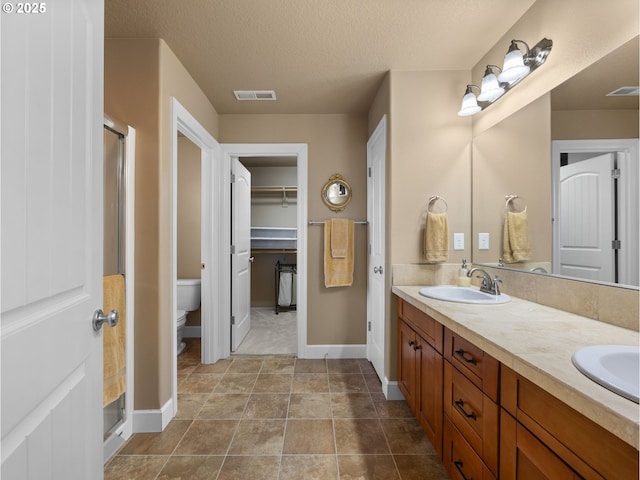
[[458, 464], [460, 405], [461, 353]]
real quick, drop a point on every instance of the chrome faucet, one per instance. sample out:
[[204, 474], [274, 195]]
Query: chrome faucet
[[488, 285]]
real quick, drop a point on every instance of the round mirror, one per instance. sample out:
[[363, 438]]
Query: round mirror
[[336, 193]]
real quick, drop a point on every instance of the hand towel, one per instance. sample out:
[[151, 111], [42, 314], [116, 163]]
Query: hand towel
[[114, 340], [436, 237], [339, 237], [338, 272], [516, 246]]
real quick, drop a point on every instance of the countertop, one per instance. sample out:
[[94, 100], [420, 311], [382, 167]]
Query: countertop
[[538, 341]]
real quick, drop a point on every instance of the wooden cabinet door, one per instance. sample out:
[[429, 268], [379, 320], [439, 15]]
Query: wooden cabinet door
[[429, 402], [524, 457], [406, 364]]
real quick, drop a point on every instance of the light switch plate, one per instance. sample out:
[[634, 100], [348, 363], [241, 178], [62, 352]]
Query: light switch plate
[[483, 241], [458, 241]]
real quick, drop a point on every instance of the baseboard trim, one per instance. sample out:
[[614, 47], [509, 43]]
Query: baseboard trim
[[391, 390], [192, 331], [151, 421], [334, 351]]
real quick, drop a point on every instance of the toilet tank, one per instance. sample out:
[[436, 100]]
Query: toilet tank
[[188, 294]]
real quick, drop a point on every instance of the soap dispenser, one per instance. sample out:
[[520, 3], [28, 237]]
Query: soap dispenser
[[463, 279]]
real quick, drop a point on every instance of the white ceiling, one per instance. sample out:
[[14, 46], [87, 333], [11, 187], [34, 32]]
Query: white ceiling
[[320, 56]]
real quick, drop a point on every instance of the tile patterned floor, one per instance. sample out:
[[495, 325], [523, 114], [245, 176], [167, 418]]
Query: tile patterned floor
[[282, 418]]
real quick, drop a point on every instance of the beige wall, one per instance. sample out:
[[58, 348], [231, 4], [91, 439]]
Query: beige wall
[[141, 75], [512, 157], [336, 144], [594, 124], [189, 159]]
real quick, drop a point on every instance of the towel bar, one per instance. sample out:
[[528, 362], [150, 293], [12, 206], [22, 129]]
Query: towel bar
[[311, 222]]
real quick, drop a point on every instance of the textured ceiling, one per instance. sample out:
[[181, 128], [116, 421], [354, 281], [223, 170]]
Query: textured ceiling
[[320, 56]]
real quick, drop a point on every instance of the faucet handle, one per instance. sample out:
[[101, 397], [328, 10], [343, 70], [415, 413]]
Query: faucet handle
[[496, 287]]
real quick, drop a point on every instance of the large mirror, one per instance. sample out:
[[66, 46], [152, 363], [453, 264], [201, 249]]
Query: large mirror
[[547, 154]]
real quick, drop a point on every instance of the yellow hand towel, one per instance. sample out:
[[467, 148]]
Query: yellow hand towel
[[338, 272], [114, 340], [436, 237], [516, 246], [340, 237]]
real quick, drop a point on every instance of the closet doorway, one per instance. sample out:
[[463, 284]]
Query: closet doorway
[[273, 256], [278, 248]]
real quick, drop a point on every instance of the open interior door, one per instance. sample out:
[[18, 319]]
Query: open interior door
[[376, 278], [240, 253], [52, 117]]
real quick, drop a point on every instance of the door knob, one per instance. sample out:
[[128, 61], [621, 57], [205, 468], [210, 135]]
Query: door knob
[[377, 269], [99, 318]]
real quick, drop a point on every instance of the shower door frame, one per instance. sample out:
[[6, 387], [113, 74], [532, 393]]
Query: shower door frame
[[124, 430]]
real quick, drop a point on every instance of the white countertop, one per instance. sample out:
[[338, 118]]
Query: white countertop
[[538, 342]]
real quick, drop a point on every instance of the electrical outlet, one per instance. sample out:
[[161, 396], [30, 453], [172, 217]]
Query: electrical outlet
[[483, 241], [458, 241]]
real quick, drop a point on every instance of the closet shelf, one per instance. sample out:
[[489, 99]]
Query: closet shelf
[[274, 189]]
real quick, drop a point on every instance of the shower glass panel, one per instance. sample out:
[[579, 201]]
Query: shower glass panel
[[114, 240]]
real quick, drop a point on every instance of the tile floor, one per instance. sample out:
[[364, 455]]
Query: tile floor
[[278, 417]]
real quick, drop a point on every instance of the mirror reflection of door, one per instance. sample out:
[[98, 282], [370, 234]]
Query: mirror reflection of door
[[587, 218]]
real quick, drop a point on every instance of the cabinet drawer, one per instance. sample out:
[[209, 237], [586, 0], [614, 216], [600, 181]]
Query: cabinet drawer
[[581, 443], [428, 328], [474, 414], [459, 458], [479, 367]]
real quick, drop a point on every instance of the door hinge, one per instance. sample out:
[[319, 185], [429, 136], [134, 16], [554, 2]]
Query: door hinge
[[615, 173], [369, 326], [369, 249], [616, 244], [369, 172], [233, 249], [233, 320], [233, 178]]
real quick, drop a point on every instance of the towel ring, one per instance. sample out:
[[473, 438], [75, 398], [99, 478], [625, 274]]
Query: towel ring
[[510, 199], [434, 198]]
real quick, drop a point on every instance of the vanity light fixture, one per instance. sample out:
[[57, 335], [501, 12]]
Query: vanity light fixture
[[517, 66], [490, 89], [469, 102]]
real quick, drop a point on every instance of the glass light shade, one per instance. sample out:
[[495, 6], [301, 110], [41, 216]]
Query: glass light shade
[[491, 89], [514, 68], [469, 105]]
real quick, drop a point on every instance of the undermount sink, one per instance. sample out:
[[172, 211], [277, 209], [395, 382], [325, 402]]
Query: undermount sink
[[615, 367], [450, 293]]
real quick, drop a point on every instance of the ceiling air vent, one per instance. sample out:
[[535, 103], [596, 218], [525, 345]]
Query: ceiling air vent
[[625, 92], [254, 94]]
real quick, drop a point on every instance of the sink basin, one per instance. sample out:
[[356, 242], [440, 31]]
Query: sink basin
[[450, 293], [615, 367]]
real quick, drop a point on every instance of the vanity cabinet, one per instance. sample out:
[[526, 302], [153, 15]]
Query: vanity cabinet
[[543, 438], [471, 410], [420, 368], [488, 422]]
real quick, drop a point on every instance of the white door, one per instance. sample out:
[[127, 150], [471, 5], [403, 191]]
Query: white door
[[241, 253], [586, 219], [51, 161], [376, 291]]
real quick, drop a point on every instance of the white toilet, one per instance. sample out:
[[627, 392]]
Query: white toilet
[[188, 301]]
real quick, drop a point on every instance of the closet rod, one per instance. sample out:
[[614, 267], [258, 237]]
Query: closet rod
[[311, 222]]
